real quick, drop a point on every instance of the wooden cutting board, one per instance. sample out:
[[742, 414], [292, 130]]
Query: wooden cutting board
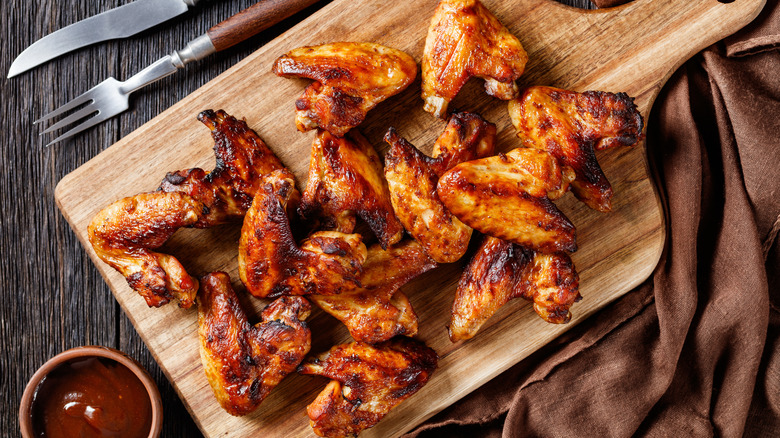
[[633, 48]]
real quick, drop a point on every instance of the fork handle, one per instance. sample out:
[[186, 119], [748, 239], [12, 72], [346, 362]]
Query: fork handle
[[253, 20]]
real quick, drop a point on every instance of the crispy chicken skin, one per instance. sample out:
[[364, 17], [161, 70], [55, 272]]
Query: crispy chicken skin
[[272, 264], [508, 196], [350, 79], [124, 234], [378, 310], [244, 362], [501, 271], [345, 179], [571, 126], [464, 40], [412, 178], [367, 382], [226, 191]]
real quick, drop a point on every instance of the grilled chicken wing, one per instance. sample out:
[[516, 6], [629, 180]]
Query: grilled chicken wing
[[465, 40], [508, 197], [124, 234], [345, 179], [226, 191], [244, 362], [571, 126], [501, 271], [350, 79], [272, 264], [367, 382], [378, 310], [412, 178]]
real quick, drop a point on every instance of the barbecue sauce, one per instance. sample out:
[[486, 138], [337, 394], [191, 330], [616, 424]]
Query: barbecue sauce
[[91, 397]]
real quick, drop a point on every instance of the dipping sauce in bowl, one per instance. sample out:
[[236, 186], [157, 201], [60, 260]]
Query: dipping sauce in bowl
[[91, 392]]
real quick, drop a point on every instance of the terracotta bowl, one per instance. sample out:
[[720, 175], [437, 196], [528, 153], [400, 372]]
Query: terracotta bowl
[[25, 408]]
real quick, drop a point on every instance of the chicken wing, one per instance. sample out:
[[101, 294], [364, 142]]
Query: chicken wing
[[412, 178], [378, 310], [244, 362], [508, 197], [501, 271], [226, 191], [464, 40], [345, 179], [367, 382], [124, 234], [571, 126], [350, 79], [272, 264]]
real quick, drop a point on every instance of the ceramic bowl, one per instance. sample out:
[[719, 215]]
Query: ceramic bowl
[[25, 408]]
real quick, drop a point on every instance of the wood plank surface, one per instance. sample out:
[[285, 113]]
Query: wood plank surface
[[632, 49], [58, 299], [53, 297]]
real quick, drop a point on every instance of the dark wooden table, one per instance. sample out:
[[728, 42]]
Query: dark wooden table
[[53, 297]]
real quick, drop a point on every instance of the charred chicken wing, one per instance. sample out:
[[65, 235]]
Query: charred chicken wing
[[501, 271], [244, 362], [350, 79], [226, 191], [378, 310], [508, 197], [125, 233], [571, 126], [412, 178], [345, 179], [367, 382], [465, 40], [272, 264]]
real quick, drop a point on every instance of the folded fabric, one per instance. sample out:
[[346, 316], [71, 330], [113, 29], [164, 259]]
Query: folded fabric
[[695, 350]]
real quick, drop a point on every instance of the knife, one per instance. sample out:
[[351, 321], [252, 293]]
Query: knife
[[120, 22], [111, 97]]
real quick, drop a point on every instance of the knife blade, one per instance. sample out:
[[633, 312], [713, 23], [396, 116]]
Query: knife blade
[[111, 96], [120, 22]]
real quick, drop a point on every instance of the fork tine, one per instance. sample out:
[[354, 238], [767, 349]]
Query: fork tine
[[74, 103], [75, 117], [100, 117]]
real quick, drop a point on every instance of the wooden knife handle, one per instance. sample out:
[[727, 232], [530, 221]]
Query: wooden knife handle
[[252, 20]]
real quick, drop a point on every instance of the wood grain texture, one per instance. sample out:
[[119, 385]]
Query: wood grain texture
[[54, 299], [633, 48]]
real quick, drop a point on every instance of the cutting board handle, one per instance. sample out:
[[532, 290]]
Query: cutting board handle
[[647, 39]]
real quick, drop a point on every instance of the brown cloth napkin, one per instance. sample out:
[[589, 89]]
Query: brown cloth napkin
[[695, 350]]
